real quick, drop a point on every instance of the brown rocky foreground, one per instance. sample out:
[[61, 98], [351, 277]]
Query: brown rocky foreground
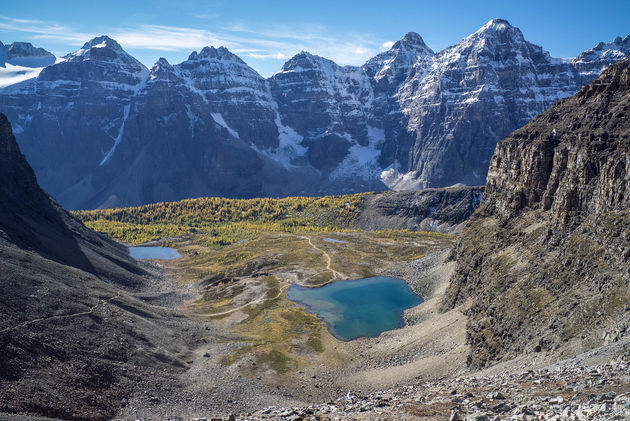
[[567, 392]]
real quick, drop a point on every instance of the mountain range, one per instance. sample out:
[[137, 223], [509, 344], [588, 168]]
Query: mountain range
[[102, 130]]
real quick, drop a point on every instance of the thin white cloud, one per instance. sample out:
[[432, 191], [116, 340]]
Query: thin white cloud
[[303, 32], [277, 56], [207, 15], [387, 45], [276, 43], [42, 30], [168, 38]]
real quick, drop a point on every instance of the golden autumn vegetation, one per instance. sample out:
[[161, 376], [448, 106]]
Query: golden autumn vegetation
[[224, 221]]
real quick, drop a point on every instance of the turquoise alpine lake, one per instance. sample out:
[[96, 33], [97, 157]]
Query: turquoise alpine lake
[[161, 253], [358, 308]]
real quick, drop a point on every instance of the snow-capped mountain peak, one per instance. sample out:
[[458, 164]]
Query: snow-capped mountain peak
[[496, 44], [104, 49], [102, 42], [412, 40], [496, 25], [394, 65], [217, 69], [25, 54], [604, 52], [162, 63], [497, 30], [24, 50], [100, 60], [306, 61], [21, 61], [163, 70], [212, 53], [212, 125]]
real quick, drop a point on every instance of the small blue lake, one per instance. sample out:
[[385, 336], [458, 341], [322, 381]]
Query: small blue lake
[[334, 240], [360, 308], [162, 253]]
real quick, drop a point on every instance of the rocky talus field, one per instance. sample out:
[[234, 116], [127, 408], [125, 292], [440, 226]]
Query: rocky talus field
[[566, 392]]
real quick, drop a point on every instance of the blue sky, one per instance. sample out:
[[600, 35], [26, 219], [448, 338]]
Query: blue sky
[[266, 33]]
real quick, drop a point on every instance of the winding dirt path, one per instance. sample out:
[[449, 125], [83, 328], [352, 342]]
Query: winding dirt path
[[256, 301], [62, 316], [336, 275]]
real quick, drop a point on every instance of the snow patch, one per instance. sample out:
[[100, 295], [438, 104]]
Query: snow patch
[[289, 145], [192, 119], [119, 137], [397, 181], [218, 118], [11, 74], [361, 160], [17, 129]]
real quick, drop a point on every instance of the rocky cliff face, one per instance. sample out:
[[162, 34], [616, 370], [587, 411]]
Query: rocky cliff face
[[100, 129], [477, 92], [74, 114], [194, 129], [545, 260], [32, 220], [326, 105]]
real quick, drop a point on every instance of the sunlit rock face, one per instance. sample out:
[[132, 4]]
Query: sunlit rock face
[[544, 261]]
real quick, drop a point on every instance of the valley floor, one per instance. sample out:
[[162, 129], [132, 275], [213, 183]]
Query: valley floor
[[252, 364], [253, 354], [261, 349]]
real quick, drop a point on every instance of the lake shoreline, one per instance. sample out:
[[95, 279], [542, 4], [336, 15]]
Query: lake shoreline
[[358, 308]]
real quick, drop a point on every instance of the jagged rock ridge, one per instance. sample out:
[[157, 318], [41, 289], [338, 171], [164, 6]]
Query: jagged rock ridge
[[545, 260], [441, 210]]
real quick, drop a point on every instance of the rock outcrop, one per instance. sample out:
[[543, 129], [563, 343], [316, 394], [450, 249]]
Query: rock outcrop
[[441, 210], [545, 260]]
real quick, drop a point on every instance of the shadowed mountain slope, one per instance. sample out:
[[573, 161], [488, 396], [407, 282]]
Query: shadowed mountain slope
[[74, 340]]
